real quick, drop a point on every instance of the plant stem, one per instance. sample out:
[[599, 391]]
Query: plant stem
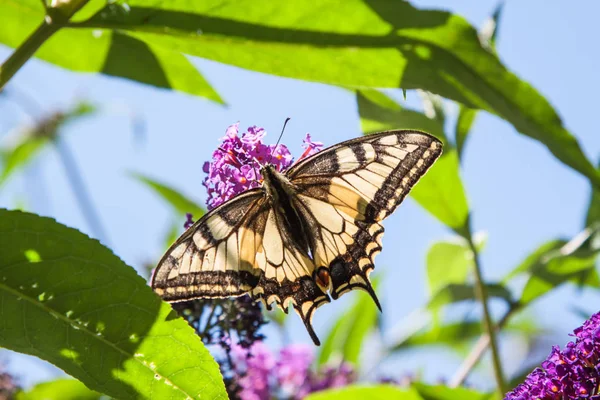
[[479, 349], [80, 191], [26, 50], [481, 292]]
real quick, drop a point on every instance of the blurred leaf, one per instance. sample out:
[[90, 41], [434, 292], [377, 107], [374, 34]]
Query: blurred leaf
[[450, 262], [20, 155], [60, 389], [450, 334], [548, 268], [375, 392], [454, 293], [346, 337], [440, 191], [72, 302], [179, 202], [405, 47], [32, 140], [592, 218], [106, 51], [466, 117], [441, 392]]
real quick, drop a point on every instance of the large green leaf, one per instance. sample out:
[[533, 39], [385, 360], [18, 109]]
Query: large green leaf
[[549, 267], [592, 218], [348, 333], [450, 334], [180, 202], [69, 300], [376, 392], [441, 190], [60, 389], [378, 43], [108, 52]]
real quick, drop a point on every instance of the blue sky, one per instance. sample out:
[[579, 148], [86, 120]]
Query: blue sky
[[519, 193]]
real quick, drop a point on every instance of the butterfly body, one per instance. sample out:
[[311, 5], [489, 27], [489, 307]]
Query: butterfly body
[[307, 232]]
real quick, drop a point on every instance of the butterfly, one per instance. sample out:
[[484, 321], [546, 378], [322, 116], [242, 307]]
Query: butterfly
[[308, 231]]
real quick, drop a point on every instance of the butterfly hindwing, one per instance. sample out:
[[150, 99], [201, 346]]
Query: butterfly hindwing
[[347, 190], [217, 256]]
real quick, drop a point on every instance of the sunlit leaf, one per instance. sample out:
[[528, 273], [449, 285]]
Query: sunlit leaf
[[105, 51], [72, 302], [178, 201], [60, 389], [376, 392], [548, 267], [348, 333], [405, 47]]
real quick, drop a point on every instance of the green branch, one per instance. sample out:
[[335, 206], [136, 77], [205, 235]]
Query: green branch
[[481, 293], [57, 15], [26, 50]]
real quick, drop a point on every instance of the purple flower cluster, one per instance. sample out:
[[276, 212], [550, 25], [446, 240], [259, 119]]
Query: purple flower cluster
[[572, 373], [262, 376], [235, 165]]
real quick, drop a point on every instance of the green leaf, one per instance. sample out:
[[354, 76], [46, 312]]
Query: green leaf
[[466, 118], [179, 202], [592, 218], [405, 47], [549, 267], [376, 392], [441, 190], [20, 155], [108, 52], [455, 292], [441, 392], [448, 262], [348, 333], [60, 389], [69, 300], [449, 334]]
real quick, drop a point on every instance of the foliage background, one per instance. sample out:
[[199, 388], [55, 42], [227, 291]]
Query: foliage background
[[521, 195]]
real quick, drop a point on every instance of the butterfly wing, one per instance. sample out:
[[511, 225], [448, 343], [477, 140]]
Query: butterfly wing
[[241, 247], [288, 274], [345, 191], [217, 256]]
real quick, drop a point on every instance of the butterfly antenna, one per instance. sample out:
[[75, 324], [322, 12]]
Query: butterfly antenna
[[279, 139]]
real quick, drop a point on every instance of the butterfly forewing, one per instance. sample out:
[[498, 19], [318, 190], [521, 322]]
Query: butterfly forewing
[[344, 193]]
